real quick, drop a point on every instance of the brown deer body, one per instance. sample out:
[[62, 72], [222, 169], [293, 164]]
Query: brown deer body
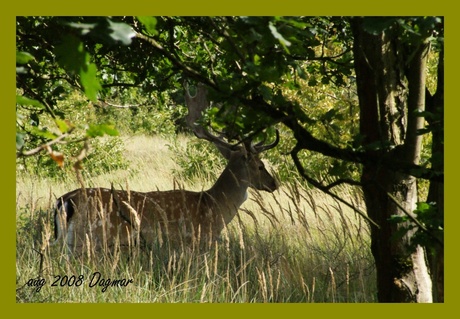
[[105, 217]]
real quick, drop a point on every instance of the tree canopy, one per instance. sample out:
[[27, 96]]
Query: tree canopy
[[268, 69]]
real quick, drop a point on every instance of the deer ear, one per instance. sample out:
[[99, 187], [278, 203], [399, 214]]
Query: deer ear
[[227, 152]]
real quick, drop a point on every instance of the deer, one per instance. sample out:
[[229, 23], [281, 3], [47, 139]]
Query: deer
[[105, 216]]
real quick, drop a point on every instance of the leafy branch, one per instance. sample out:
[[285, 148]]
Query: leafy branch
[[413, 219], [307, 141], [46, 146], [192, 73]]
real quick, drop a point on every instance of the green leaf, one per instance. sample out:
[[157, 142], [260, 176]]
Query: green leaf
[[59, 92], [24, 57], [85, 28], [34, 119], [423, 206], [285, 43], [106, 30], [398, 219], [150, 23], [19, 140], [71, 55], [22, 100], [90, 81], [62, 125], [256, 60], [301, 72], [95, 130], [266, 92], [330, 115], [312, 82], [43, 133], [121, 32], [376, 25]]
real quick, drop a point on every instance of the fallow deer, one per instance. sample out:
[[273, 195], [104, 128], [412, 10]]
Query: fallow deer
[[103, 216]]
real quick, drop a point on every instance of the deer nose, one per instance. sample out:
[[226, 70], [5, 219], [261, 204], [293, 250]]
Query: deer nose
[[273, 186]]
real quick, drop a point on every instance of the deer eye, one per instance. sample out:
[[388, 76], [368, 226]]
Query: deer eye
[[261, 167]]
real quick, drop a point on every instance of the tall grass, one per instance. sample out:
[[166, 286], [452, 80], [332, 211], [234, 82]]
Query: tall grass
[[294, 245]]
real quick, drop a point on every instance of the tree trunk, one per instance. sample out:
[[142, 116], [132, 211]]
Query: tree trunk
[[435, 105], [389, 95]]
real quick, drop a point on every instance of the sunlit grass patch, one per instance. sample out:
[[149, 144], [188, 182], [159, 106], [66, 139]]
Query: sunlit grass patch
[[295, 245]]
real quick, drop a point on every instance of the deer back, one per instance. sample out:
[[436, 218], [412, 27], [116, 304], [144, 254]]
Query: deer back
[[104, 217]]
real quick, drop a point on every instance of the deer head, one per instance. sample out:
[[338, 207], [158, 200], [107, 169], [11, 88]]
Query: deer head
[[243, 156]]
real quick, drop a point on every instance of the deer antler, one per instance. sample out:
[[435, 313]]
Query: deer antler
[[260, 147], [196, 105]]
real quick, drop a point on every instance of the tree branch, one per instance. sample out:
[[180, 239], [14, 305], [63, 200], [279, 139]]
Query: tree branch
[[42, 147], [307, 141], [342, 181], [413, 219], [119, 84], [105, 104], [325, 189]]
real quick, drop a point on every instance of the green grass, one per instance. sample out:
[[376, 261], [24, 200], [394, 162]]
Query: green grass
[[295, 245]]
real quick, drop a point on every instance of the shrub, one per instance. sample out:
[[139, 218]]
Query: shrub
[[106, 154], [199, 160]]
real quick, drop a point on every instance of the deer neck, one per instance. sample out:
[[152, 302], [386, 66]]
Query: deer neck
[[230, 190]]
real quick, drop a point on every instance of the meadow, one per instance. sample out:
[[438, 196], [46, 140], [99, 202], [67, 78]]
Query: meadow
[[294, 245]]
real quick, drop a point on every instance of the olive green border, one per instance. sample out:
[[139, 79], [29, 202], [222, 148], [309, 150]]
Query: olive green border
[[203, 7]]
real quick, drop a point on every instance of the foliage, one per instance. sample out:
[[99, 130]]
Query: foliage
[[260, 69], [428, 215], [429, 229], [52, 62], [106, 155], [150, 118], [70, 58]]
